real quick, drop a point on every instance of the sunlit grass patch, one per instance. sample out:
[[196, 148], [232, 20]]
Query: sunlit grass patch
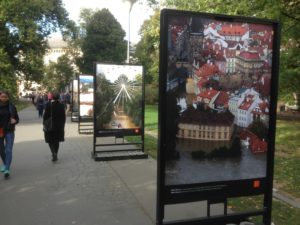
[[151, 117]]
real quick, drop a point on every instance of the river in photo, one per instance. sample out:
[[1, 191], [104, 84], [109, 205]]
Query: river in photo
[[187, 170]]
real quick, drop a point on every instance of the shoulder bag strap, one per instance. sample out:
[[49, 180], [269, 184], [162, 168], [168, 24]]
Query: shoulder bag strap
[[51, 110]]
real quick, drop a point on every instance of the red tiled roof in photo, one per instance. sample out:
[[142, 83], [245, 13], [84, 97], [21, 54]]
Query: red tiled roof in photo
[[256, 145], [247, 103], [222, 98], [263, 109], [208, 94], [232, 30], [249, 55], [264, 85], [260, 28], [207, 70], [202, 82]]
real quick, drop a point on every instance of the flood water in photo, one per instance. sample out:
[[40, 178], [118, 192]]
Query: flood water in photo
[[187, 170]]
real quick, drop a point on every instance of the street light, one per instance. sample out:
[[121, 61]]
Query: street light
[[131, 3]]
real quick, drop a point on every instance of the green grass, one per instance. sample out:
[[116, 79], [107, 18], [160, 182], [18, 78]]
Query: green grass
[[151, 146], [22, 105], [287, 157], [151, 124], [151, 117], [282, 214]]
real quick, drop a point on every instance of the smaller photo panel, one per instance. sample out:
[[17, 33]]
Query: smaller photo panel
[[75, 96], [86, 95], [119, 98]]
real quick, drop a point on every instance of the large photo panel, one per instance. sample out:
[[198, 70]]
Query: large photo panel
[[75, 100], [216, 99], [119, 100]]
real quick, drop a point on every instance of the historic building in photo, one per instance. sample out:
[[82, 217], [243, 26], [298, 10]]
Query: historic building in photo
[[249, 63], [205, 125]]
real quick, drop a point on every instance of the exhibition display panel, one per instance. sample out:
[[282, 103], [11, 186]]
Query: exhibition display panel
[[217, 112]]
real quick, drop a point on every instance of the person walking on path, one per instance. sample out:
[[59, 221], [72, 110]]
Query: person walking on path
[[67, 102], [8, 119], [40, 105], [56, 110]]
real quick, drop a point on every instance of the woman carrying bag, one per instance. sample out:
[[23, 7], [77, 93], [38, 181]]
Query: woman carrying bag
[[56, 133], [8, 120]]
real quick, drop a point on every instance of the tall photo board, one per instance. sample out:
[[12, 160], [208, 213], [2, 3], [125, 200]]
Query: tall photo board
[[119, 106], [86, 103], [217, 109], [74, 100]]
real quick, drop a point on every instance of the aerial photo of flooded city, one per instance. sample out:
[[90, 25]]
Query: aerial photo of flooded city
[[218, 99]]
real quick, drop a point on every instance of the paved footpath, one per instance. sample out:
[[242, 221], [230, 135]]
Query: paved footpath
[[76, 190]]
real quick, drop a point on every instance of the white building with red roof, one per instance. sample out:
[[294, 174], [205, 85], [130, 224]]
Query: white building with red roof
[[244, 112], [232, 32], [208, 97], [236, 100]]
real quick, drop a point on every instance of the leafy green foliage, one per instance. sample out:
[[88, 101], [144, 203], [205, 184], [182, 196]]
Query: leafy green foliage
[[105, 109], [147, 50], [8, 80], [58, 75], [24, 28], [102, 40]]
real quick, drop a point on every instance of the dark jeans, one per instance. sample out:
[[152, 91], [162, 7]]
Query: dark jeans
[[6, 147], [54, 146], [40, 109]]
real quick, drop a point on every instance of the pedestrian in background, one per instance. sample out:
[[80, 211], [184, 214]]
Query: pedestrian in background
[[40, 104], [56, 110], [8, 119], [67, 102]]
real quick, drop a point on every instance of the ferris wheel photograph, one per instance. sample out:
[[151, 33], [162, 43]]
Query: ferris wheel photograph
[[118, 96]]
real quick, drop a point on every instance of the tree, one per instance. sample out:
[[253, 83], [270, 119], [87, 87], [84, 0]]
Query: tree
[[58, 75], [7, 77], [147, 50], [24, 27], [104, 96], [102, 41]]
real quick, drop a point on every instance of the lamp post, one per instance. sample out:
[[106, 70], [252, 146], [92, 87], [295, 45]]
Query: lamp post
[[131, 3]]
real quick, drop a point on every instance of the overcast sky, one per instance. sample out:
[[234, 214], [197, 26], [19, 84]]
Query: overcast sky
[[118, 8]]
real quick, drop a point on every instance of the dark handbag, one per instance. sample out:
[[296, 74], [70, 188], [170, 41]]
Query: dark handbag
[[48, 123], [1, 132]]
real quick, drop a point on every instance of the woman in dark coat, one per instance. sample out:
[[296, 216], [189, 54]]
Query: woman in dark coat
[[8, 119], [57, 110]]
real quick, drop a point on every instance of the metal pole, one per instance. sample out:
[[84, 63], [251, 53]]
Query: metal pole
[[128, 42]]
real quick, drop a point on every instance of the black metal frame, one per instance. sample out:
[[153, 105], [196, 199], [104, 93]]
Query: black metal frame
[[118, 149], [85, 123], [213, 191]]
